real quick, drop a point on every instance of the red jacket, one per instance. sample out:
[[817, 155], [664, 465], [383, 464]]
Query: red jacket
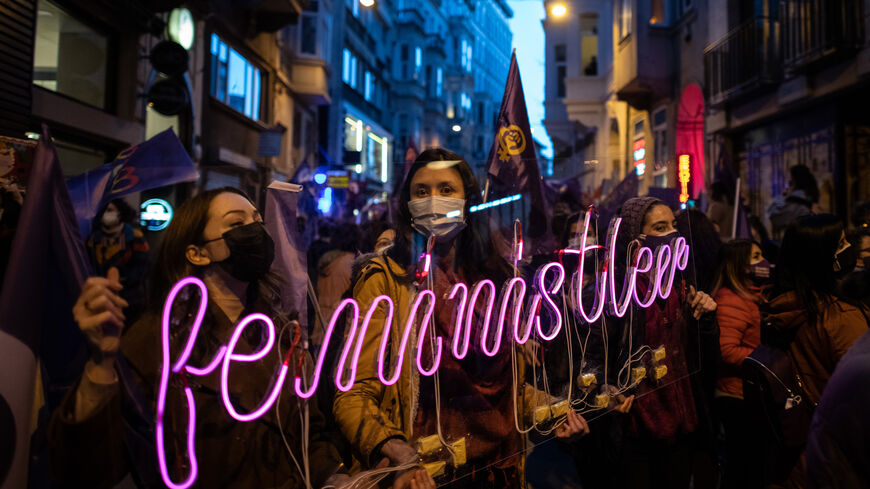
[[739, 334]]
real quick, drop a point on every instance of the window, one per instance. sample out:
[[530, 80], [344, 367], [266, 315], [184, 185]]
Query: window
[[660, 140], [468, 58], [560, 81], [348, 67], [353, 134], [69, 57], [308, 33], [560, 53], [235, 81], [463, 54], [439, 81], [404, 57], [369, 86], [354, 7], [623, 17], [589, 44], [418, 61]]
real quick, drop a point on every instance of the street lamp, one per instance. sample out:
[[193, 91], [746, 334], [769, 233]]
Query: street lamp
[[456, 128], [558, 10], [367, 3]]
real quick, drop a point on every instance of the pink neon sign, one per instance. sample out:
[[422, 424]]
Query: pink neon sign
[[660, 265]]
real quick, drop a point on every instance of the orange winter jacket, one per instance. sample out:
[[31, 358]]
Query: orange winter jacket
[[739, 334]]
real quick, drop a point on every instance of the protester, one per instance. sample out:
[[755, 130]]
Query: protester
[[660, 438], [721, 208], [384, 422], [837, 450], [800, 198], [333, 275], [769, 247], [705, 242], [117, 241], [104, 429], [741, 274], [805, 317]]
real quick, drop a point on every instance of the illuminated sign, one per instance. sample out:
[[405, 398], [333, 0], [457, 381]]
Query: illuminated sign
[[181, 27], [684, 174], [155, 214], [640, 156], [661, 264]]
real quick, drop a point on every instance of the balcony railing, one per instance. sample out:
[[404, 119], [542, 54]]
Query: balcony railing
[[816, 29], [748, 57]]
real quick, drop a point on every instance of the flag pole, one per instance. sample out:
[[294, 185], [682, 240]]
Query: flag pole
[[736, 211]]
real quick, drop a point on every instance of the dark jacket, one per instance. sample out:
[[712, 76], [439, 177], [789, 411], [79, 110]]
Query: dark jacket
[[119, 438], [839, 445]]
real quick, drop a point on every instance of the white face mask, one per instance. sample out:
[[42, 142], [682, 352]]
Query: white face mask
[[443, 217], [111, 218]]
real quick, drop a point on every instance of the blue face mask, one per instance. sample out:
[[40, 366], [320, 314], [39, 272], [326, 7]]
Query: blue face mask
[[654, 242]]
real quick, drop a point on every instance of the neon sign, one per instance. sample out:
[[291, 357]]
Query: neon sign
[[660, 264], [640, 156], [684, 174]]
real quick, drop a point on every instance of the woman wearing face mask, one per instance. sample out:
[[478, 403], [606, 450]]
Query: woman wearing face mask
[[659, 441], [116, 241], [804, 316], [383, 423], [740, 276], [104, 428]]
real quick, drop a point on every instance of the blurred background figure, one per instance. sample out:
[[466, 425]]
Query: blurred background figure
[[769, 247], [855, 285], [721, 208], [740, 276], [800, 198], [116, 240]]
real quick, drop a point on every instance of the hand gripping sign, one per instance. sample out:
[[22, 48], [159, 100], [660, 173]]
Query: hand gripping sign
[[661, 265]]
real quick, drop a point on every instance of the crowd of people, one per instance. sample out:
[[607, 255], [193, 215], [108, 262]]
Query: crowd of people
[[711, 416]]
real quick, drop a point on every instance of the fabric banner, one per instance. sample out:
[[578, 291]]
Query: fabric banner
[[47, 267], [158, 162], [513, 162], [290, 259]]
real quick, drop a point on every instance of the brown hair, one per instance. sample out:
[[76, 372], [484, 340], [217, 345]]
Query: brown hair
[[734, 258]]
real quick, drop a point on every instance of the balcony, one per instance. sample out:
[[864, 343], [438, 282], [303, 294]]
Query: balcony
[[584, 99], [813, 30], [643, 65], [746, 59], [310, 79]]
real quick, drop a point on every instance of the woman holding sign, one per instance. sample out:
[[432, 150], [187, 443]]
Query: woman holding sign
[[461, 422], [659, 348], [172, 412]]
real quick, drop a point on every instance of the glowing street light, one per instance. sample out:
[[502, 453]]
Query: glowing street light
[[456, 128], [558, 10], [367, 3]]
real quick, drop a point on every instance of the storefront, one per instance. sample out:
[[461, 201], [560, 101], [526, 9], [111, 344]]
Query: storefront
[[371, 144]]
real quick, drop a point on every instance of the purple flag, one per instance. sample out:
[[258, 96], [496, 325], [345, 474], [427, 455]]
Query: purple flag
[[513, 161], [290, 258], [158, 162], [46, 270]]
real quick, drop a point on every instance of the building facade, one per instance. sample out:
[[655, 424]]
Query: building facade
[[787, 83], [635, 108]]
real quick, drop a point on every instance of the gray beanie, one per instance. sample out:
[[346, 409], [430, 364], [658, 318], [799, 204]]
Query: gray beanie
[[633, 211]]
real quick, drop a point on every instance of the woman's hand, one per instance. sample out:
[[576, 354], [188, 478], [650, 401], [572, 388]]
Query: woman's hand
[[99, 314], [414, 479], [618, 402], [574, 427], [700, 302]]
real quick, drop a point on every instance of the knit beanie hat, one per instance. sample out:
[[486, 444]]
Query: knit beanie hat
[[633, 211]]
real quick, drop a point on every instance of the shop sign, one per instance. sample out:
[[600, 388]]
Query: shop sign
[[684, 174], [513, 322], [639, 156], [155, 214]]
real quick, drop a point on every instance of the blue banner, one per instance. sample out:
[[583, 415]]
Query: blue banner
[[158, 162]]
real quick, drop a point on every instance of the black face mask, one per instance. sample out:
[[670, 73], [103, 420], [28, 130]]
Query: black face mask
[[251, 252]]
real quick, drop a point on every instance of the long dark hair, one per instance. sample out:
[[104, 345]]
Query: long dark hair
[[704, 244], [734, 257], [126, 213], [802, 179], [476, 253], [187, 228], [806, 262]]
